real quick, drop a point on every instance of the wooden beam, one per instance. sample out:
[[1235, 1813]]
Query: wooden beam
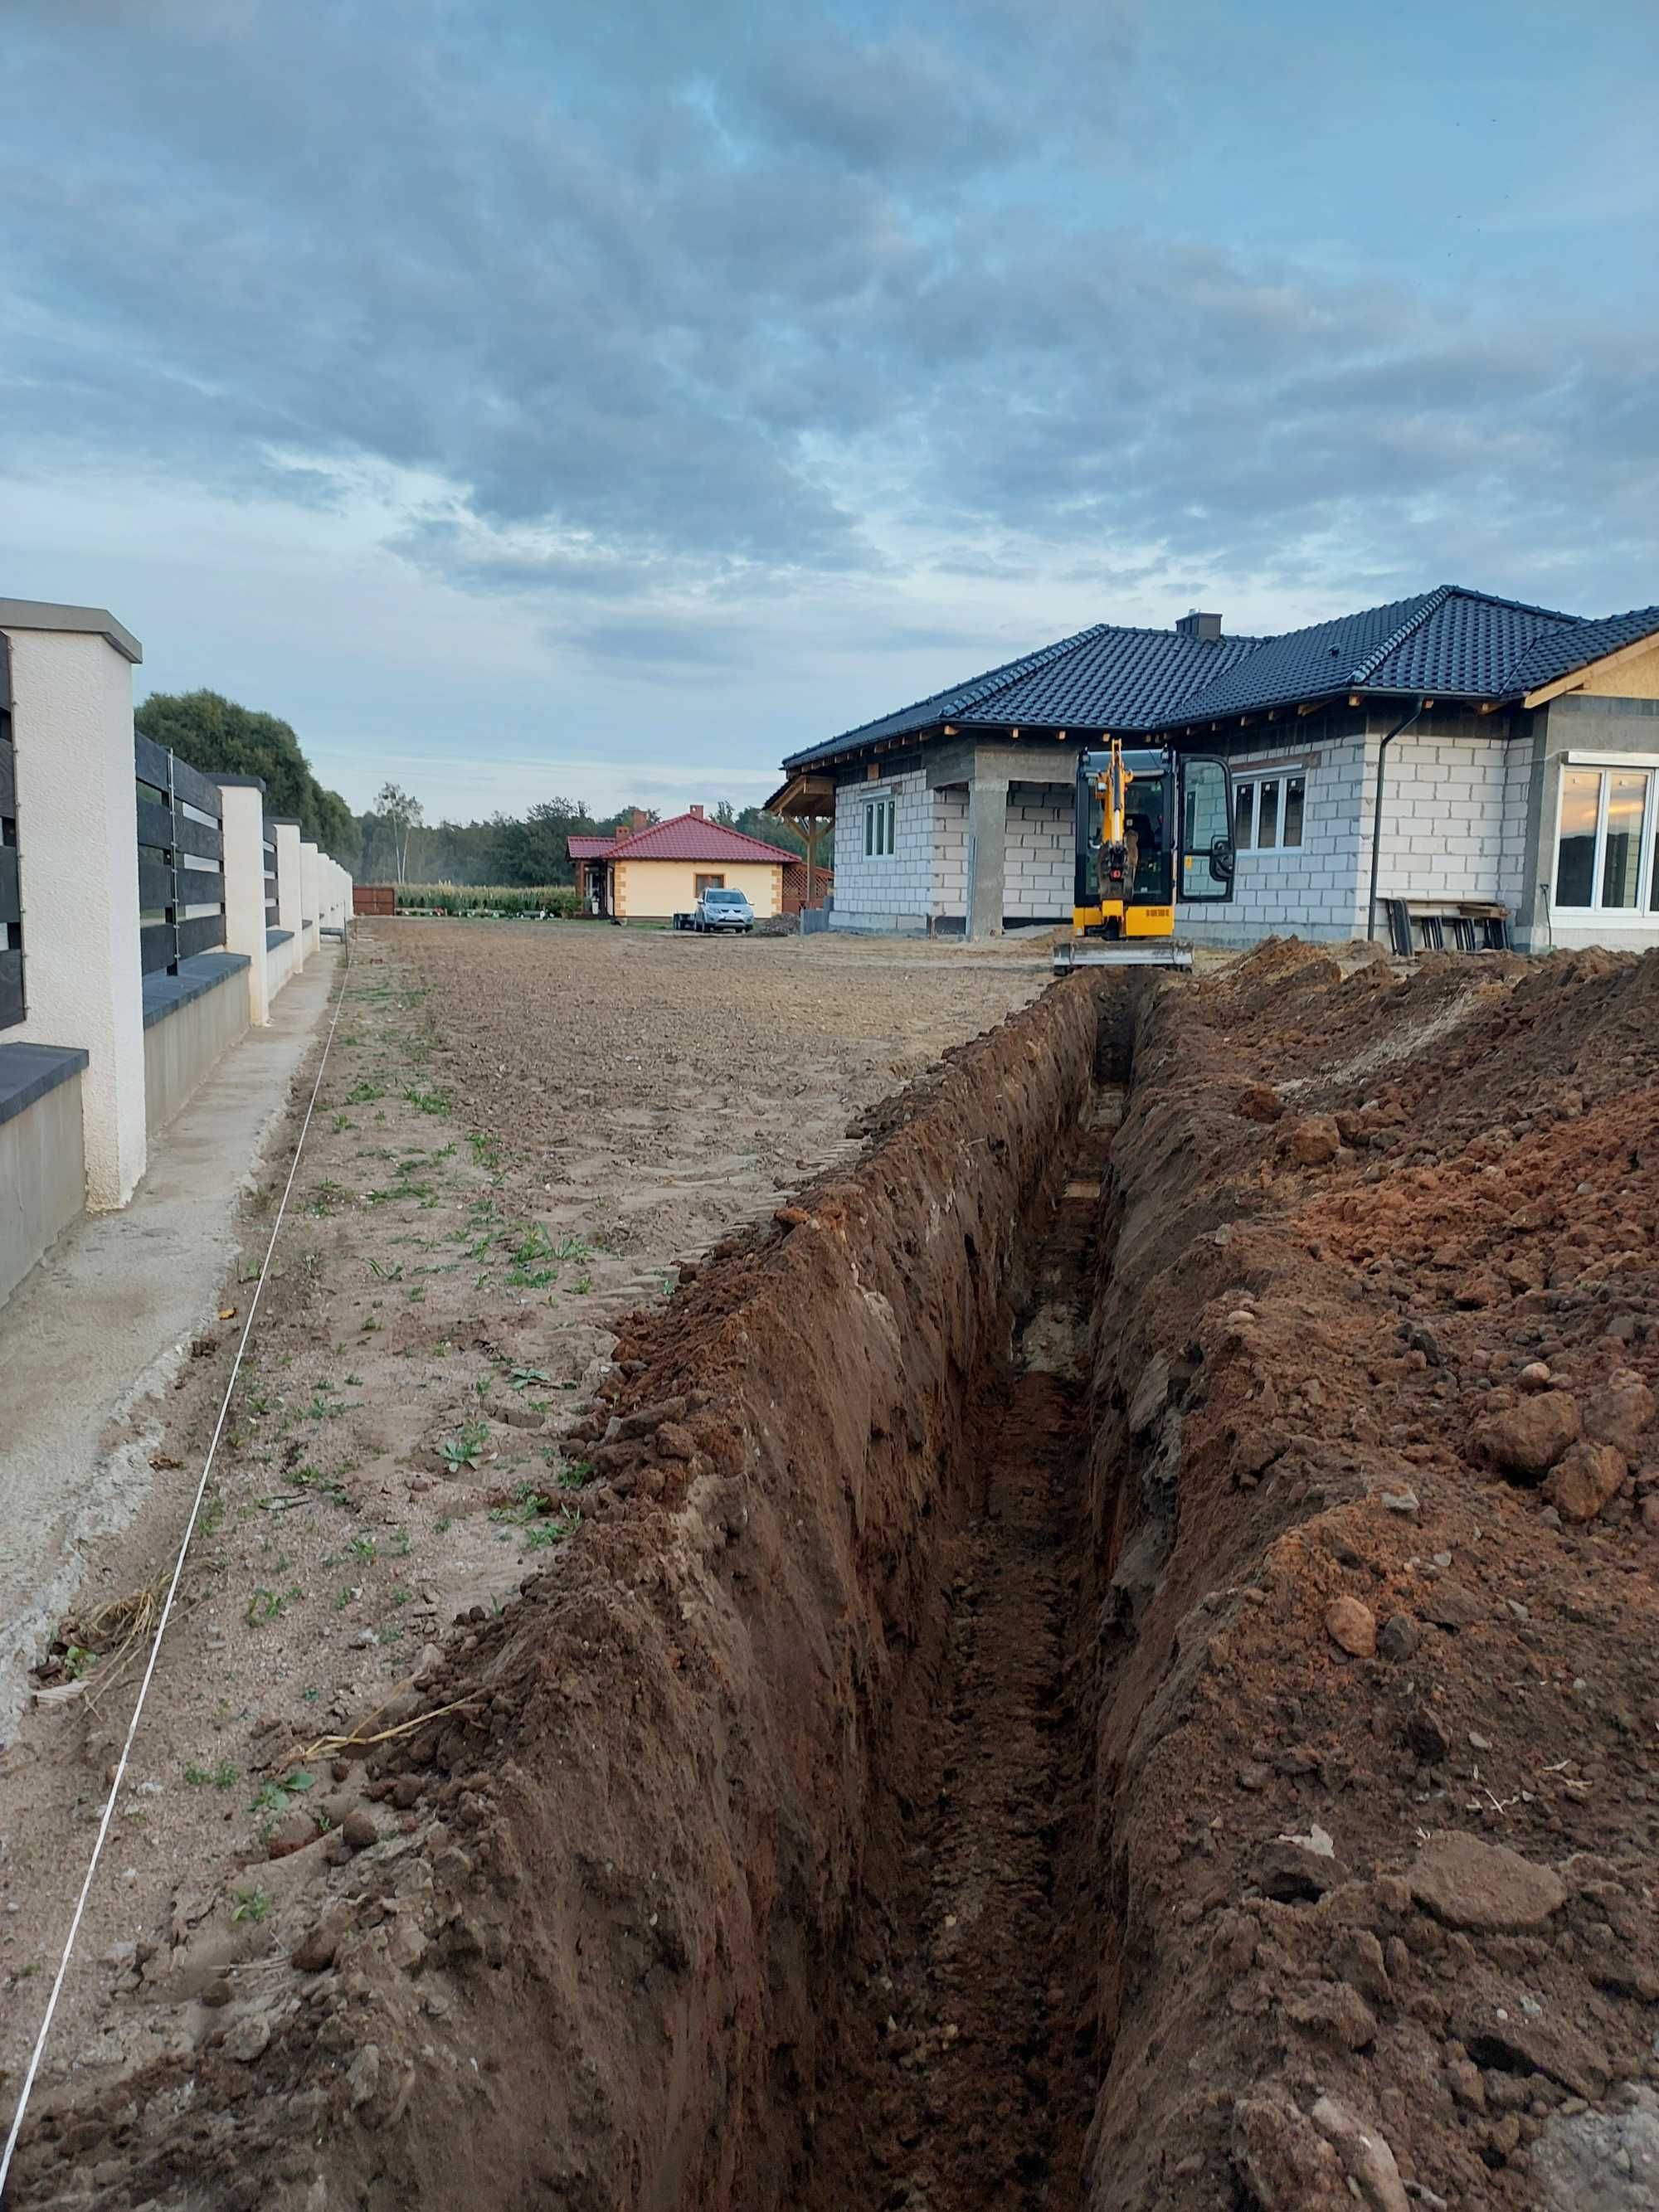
[[1488, 707], [1575, 681], [1310, 706]]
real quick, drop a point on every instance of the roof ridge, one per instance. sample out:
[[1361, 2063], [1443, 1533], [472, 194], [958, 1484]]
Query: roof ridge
[[706, 822], [1520, 606], [1430, 604], [971, 693], [1044, 657]]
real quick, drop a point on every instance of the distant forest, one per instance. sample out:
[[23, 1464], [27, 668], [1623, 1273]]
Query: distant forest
[[393, 842]]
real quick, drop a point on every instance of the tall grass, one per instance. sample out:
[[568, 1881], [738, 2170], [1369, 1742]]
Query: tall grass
[[490, 902]]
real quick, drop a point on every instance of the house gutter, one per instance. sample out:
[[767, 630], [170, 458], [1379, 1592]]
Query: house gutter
[[1400, 727]]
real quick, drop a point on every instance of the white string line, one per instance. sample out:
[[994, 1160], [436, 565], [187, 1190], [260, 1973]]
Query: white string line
[[173, 1591]]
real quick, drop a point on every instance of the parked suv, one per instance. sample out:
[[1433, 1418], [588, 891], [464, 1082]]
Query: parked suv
[[717, 910]]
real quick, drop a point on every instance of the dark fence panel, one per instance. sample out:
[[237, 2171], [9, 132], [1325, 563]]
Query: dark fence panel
[[11, 910], [171, 798]]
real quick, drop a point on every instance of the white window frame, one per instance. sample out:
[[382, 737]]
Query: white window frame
[[880, 825], [1606, 766], [1282, 774]]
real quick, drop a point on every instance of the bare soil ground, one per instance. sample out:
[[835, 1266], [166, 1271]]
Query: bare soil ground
[[521, 1135], [1096, 1669]]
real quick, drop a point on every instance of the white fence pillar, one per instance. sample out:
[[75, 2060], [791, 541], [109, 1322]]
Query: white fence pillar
[[310, 889], [77, 836], [289, 886], [244, 827]]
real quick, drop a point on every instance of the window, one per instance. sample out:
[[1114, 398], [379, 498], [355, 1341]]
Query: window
[[709, 883], [879, 827], [1602, 838], [1267, 811]]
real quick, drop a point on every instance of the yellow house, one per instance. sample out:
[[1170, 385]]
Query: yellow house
[[657, 869]]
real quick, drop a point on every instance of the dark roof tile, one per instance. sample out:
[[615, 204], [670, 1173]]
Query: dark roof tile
[[1560, 652], [1448, 643], [1107, 677]]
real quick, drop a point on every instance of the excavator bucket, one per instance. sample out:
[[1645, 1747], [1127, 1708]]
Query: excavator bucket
[[1118, 952]]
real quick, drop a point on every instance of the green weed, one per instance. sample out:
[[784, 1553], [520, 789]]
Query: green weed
[[467, 1448], [224, 1776]]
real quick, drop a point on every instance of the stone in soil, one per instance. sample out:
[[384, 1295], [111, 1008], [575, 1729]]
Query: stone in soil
[[1352, 1625], [1526, 1440], [1586, 1480], [1484, 1887]]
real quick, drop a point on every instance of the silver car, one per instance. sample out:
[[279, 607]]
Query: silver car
[[718, 910]]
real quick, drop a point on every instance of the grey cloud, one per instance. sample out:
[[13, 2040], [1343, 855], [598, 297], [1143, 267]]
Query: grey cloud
[[672, 280]]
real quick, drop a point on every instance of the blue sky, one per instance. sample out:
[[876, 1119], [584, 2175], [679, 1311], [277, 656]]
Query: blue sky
[[607, 401]]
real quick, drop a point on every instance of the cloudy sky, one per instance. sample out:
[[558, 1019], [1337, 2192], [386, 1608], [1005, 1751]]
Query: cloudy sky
[[523, 397]]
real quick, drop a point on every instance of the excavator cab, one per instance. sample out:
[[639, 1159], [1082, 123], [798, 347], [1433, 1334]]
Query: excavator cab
[[1151, 825]]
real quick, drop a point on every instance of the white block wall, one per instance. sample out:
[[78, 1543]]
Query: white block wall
[[950, 885], [1512, 851], [1313, 889], [1039, 872], [894, 890], [1443, 817]]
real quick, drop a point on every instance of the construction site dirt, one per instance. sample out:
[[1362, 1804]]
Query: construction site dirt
[[1102, 1653]]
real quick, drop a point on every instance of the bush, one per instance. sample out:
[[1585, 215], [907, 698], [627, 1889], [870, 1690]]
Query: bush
[[490, 902]]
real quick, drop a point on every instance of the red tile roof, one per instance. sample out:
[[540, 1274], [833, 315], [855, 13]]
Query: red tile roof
[[682, 837]]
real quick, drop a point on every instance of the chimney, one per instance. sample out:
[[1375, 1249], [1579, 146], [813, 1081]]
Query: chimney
[[642, 820], [1206, 628], [697, 811]]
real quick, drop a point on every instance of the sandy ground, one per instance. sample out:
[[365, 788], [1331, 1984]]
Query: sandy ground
[[522, 1134]]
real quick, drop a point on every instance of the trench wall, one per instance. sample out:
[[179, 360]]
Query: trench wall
[[800, 1409]]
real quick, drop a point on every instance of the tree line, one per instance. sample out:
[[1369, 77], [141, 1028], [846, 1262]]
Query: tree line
[[392, 842], [397, 844]]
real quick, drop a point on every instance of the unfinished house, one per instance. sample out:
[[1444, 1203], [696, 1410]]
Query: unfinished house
[[1452, 769]]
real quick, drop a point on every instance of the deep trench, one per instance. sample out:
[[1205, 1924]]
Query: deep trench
[[962, 2067]]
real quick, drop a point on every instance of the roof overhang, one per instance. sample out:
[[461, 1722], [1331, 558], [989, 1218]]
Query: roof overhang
[[812, 791], [1575, 679]]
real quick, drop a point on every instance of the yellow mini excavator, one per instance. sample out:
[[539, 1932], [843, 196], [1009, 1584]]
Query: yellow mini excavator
[[1152, 825]]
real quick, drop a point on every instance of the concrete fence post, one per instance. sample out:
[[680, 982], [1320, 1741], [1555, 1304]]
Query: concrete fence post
[[77, 835], [244, 827], [310, 891], [288, 886]]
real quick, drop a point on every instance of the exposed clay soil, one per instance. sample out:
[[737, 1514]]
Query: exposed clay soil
[[960, 1764], [503, 1163]]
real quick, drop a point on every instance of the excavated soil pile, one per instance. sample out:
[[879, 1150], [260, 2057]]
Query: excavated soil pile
[[1379, 1663], [1108, 1667]]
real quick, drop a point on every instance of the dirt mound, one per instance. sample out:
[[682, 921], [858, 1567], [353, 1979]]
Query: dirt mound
[[1371, 1319]]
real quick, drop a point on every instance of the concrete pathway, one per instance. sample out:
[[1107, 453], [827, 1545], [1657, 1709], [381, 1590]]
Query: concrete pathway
[[105, 1319]]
